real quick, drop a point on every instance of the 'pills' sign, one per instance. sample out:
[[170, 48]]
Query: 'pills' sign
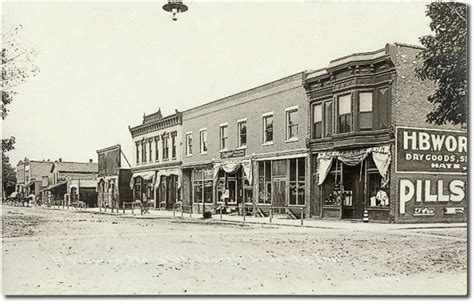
[[431, 151]]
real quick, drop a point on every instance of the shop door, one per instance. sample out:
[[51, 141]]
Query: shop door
[[170, 191], [279, 195], [352, 203], [232, 187]]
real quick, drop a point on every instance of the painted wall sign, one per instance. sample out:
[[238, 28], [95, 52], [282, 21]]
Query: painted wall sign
[[233, 153], [431, 191], [431, 151]]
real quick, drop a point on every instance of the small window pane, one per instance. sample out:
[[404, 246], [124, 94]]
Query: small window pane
[[345, 104], [365, 102], [317, 113]]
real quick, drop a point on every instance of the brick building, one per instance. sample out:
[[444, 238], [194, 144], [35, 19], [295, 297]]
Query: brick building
[[33, 176], [156, 168], [248, 148], [371, 149]]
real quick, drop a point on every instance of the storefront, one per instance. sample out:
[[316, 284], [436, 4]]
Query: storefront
[[233, 183], [143, 185], [350, 182], [167, 188], [281, 184]]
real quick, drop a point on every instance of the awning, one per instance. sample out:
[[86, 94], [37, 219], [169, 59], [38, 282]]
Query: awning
[[168, 172], [381, 156], [146, 175], [232, 166], [54, 186]]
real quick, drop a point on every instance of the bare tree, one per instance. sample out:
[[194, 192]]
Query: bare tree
[[17, 67]]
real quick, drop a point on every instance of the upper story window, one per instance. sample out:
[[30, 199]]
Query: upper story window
[[157, 153], [292, 123], [242, 136], [268, 128], [173, 145], [365, 111], [137, 152], [144, 152], [165, 143], [223, 136], [203, 141], [317, 121], [150, 148], [344, 114], [383, 115], [189, 144]]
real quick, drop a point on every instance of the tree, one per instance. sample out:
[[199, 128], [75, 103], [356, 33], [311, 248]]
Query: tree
[[17, 67], [8, 175], [445, 62]]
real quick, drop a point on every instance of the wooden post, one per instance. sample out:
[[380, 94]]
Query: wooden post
[[133, 207], [243, 210], [182, 211], [174, 209], [302, 214], [271, 214], [220, 211]]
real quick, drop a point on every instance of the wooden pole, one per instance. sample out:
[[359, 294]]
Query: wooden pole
[[302, 216]]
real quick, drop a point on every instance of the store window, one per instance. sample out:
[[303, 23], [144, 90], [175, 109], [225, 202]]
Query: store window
[[173, 145], [223, 137], [378, 195], [202, 186], [264, 182], [189, 144], [331, 188], [268, 128], [157, 150], [365, 111], [317, 121], [203, 141], [292, 124], [242, 136], [165, 139], [297, 181], [344, 113], [248, 191]]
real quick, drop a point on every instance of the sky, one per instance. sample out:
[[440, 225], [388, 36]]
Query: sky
[[103, 65]]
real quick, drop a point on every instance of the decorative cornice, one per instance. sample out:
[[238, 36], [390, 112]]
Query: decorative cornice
[[155, 125]]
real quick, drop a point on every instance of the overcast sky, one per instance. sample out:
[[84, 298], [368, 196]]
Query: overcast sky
[[102, 65]]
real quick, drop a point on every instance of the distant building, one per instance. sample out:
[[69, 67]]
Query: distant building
[[113, 182], [33, 176], [157, 160], [77, 179]]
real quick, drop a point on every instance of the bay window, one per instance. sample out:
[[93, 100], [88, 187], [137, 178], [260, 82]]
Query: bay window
[[365, 111], [317, 121], [344, 113]]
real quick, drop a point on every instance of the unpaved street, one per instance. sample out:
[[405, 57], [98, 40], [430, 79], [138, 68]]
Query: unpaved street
[[65, 252]]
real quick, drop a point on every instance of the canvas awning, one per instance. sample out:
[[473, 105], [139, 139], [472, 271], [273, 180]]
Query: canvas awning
[[54, 186], [232, 166], [145, 175], [168, 172], [381, 156]]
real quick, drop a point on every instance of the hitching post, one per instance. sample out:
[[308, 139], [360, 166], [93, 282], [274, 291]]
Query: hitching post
[[243, 210], [302, 213], [271, 214]]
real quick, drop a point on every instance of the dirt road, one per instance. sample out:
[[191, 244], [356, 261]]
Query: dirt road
[[60, 252]]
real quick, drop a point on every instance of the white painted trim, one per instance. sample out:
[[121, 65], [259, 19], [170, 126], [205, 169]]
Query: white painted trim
[[290, 140], [267, 114], [225, 124], [203, 129], [268, 143], [189, 132], [242, 120], [296, 107]]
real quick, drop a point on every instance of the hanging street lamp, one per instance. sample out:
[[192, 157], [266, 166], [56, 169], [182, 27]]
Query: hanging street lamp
[[175, 7]]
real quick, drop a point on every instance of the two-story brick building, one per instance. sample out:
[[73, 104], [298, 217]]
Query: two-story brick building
[[248, 148], [156, 178], [373, 152]]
